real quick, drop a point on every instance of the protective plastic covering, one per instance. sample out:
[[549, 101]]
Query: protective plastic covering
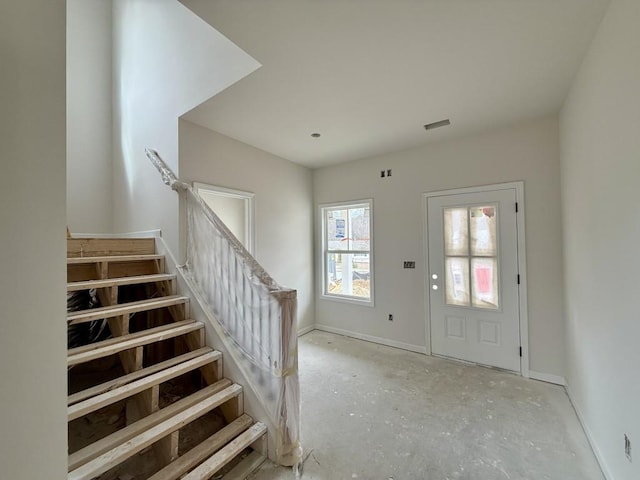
[[255, 315]]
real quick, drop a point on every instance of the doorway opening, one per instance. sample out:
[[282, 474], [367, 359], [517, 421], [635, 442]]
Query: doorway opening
[[235, 209]]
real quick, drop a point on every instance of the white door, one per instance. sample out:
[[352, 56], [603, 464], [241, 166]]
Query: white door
[[473, 277]]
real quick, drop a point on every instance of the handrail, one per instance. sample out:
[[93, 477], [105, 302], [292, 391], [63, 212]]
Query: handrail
[[253, 313]]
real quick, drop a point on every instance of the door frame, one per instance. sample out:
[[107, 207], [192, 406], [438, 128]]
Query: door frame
[[522, 264], [248, 199]]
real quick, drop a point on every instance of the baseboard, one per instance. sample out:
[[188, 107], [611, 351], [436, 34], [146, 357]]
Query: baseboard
[[547, 377], [305, 330], [143, 234], [603, 465], [372, 339]]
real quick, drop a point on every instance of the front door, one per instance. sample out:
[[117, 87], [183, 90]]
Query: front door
[[473, 277]]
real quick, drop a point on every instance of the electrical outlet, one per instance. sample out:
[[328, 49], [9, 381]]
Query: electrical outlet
[[627, 447], [391, 317], [409, 264]]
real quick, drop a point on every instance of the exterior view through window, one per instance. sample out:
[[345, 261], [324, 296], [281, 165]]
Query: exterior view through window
[[347, 251]]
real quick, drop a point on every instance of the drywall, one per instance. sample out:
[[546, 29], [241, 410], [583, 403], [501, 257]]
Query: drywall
[[600, 144], [89, 118], [283, 203], [231, 210], [33, 443], [527, 152], [166, 61]]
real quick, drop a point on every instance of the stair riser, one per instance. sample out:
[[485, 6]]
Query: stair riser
[[87, 247], [84, 272]]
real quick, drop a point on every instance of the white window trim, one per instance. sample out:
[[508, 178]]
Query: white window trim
[[323, 257]]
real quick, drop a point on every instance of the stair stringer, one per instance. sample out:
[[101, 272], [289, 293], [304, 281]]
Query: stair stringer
[[232, 369]]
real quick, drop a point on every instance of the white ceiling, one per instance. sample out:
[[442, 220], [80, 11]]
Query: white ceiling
[[368, 74]]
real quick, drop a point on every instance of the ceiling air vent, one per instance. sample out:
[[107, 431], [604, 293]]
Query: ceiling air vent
[[441, 123]]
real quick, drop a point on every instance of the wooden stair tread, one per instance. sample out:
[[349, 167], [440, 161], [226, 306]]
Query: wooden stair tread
[[124, 309], [114, 258], [246, 467], [90, 264], [201, 452], [125, 379], [107, 398], [120, 281], [134, 445], [132, 340], [218, 460], [98, 448]]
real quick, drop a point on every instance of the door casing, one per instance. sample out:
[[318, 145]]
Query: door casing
[[522, 267]]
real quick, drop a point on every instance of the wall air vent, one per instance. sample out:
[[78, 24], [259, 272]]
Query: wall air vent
[[441, 123]]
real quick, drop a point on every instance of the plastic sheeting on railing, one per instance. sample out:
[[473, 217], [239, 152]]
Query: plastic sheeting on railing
[[255, 315]]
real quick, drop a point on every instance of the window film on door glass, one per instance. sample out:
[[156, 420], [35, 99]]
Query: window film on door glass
[[484, 275], [483, 231], [347, 245], [457, 281], [471, 256], [456, 232]]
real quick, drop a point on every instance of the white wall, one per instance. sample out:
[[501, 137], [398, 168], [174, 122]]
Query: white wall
[[527, 152], [283, 203], [166, 61], [231, 210], [600, 138], [89, 117], [33, 443]]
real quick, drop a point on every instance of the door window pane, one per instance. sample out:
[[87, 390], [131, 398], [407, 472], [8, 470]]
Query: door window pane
[[483, 230], [456, 233], [457, 281], [484, 280], [471, 251]]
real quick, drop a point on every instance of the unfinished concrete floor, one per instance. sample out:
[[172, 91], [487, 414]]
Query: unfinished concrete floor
[[374, 412]]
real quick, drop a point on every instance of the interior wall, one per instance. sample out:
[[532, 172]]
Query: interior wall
[[528, 152], [231, 210], [166, 61], [89, 116], [33, 395], [283, 203], [600, 126]]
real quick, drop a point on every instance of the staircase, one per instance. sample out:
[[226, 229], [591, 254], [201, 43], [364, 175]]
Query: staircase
[[148, 401]]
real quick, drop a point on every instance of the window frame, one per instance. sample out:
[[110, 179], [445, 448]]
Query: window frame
[[324, 252]]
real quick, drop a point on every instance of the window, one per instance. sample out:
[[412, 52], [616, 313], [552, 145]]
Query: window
[[471, 256], [346, 250]]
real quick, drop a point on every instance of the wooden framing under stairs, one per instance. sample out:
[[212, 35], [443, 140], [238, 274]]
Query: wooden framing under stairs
[[153, 350]]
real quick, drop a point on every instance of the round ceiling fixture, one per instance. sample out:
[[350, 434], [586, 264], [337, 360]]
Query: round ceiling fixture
[[315, 135]]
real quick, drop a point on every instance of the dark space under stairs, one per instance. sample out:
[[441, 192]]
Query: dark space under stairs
[[151, 347]]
